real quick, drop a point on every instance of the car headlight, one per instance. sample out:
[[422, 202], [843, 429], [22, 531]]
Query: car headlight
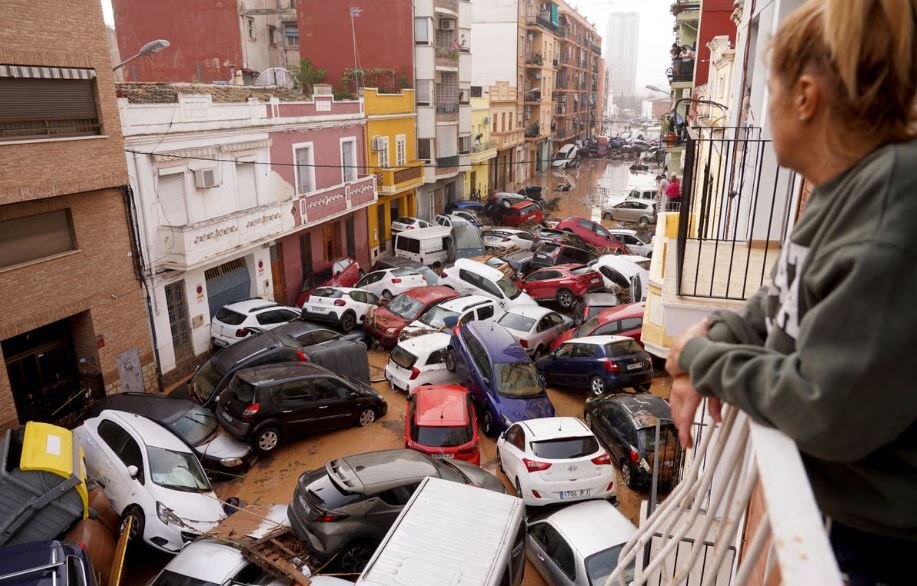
[[167, 515], [390, 330], [230, 462]]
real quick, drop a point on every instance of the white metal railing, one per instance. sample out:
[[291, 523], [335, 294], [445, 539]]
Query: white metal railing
[[708, 509]]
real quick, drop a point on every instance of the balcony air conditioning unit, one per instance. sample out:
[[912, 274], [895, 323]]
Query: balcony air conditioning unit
[[447, 24], [378, 143], [206, 178]]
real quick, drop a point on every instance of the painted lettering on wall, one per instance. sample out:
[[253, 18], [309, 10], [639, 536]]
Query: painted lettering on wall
[[215, 234]]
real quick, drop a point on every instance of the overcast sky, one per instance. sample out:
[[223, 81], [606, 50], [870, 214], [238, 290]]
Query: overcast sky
[[655, 32]]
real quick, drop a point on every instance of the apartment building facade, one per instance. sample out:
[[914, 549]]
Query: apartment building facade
[[74, 309], [578, 105], [542, 20]]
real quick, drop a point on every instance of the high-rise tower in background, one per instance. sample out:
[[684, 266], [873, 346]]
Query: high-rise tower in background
[[622, 38]]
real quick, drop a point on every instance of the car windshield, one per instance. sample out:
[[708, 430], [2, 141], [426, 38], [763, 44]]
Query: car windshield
[[435, 316], [600, 565], [177, 470], [406, 307], [195, 426], [565, 447], [601, 231], [586, 328], [403, 358], [508, 287], [518, 379], [442, 437], [205, 381], [623, 348], [170, 578], [514, 321]]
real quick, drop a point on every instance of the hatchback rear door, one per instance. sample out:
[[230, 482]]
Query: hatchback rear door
[[570, 457]]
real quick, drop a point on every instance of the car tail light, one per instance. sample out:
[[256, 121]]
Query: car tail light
[[331, 517], [610, 365], [536, 494], [251, 410], [634, 456], [242, 332], [524, 343], [534, 466], [396, 280], [443, 274], [410, 227], [610, 486], [415, 372], [602, 460], [505, 240], [340, 302], [301, 355]]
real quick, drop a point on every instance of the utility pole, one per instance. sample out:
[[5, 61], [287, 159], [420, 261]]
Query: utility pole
[[355, 11]]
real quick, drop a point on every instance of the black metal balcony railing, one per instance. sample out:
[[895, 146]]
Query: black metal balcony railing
[[533, 96], [542, 19], [682, 70], [534, 59], [533, 131], [740, 212], [446, 55], [447, 162]]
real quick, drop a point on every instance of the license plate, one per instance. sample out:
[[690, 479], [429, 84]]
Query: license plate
[[450, 456], [634, 366], [226, 416], [569, 494], [319, 309], [594, 281]]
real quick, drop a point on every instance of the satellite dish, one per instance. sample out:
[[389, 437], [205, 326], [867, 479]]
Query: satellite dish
[[278, 76]]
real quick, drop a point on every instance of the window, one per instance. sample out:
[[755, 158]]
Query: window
[[424, 92], [477, 91], [325, 389], [612, 327], [401, 150], [424, 149], [382, 154], [36, 108], [559, 551], [295, 393], [516, 437], [398, 496], [464, 145], [246, 186], [251, 28], [486, 312], [272, 36], [349, 158], [585, 351], [436, 357], [34, 237], [305, 169], [564, 351], [276, 316], [495, 123], [407, 244], [631, 323], [291, 34], [422, 31]]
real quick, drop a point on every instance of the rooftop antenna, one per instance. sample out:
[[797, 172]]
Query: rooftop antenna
[[355, 12]]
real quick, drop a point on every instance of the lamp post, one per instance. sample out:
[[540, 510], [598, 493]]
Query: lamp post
[[656, 88], [146, 50]]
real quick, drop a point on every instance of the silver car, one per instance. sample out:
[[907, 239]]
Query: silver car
[[567, 550], [633, 210], [534, 327], [634, 243]]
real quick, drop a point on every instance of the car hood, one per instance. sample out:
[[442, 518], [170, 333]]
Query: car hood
[[523, 299], [478, 476], [384, 318], [522, 409], [222, 445], [200, 510], [418, 328]]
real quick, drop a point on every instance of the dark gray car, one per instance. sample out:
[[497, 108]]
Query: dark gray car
[[343, 510]]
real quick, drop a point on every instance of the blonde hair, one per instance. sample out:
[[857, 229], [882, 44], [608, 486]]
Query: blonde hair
[[865, 49]]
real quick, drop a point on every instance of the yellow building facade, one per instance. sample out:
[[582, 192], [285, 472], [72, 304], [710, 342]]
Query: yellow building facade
[[478, 179], [391, 153]]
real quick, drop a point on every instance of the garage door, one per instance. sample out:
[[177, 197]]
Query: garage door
[[227, 283]]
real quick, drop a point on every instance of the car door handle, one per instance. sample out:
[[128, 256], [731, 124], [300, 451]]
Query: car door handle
[[288, 411], [323, 407]]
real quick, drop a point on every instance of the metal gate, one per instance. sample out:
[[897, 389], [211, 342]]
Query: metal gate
[[178, 322], [227, 283]]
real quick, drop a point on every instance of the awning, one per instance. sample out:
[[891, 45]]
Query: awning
[[43, 72]]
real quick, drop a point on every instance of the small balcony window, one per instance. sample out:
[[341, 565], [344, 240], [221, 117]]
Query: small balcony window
[[291, 34]]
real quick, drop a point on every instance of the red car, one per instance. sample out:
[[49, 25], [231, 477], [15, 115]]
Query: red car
[[565, 283], [523, 212], [343, 272], [593, 234], [440, 422], [623, 320], [386, 323]]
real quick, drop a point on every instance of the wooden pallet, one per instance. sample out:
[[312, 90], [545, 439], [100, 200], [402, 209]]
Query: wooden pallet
[[277, 553]]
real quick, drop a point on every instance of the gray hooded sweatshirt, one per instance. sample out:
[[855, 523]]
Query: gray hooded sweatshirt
[[827, 354]]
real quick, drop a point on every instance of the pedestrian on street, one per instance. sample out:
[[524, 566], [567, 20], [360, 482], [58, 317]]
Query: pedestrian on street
[[825, 353]]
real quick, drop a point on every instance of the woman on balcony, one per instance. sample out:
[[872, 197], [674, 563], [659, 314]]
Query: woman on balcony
[[826, 352]]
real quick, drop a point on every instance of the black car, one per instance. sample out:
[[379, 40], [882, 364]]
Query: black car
[[217, 450], [549, 254], [626, 426], [46, 562], [270, 404], [307, 333], [557, 237], [344, 510], [399, 262]]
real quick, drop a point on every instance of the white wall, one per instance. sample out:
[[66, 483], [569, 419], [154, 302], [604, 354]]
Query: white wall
[[494, 31]]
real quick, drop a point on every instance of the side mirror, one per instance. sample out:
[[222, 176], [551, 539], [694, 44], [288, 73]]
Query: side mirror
[[450, 321], [132, 470]]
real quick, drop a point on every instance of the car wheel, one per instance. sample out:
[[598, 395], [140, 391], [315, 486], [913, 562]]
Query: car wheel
[[386, 297], [607, 216], [138, 519], [366, 417], [449, 359], [267, 439], [627, 476], [354, 557], [644, 388], [565, 298], [348, 321], [596, 386], [643, 222], [487, 424]]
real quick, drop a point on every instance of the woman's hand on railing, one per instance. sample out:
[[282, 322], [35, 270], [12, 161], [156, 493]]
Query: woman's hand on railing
[[683, 402]]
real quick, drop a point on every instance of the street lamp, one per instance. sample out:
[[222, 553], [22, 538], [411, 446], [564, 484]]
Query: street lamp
[[656, 88], [146, 50]]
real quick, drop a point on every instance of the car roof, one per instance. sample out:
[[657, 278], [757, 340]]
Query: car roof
[[577, 523], [601, 299], [431, 293], [645, 408], [621, 312], [297, 327], [463, 302], [624, 266], [634, 258], [252, 346], [546, 428], [441, 406], [623, 231], [523, 204], [373, 472], [396, 261], [431, 232], [506, 229], [250, 305], [599, 340], [426, 343], [268, 373], [478, 267], [152, 406], [530, 310], [499, 343], [207, 560], [153, 434]]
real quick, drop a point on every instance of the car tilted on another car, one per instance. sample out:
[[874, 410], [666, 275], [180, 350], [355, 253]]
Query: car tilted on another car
[[499, 374], [507, 238], [387, 283], [342, 306], [561, 283], [343, 272], [549, 254], [633, 241], [270, 404], [593, 234], [468, 276], [344, 509], [399, 262], [521, 213], [622, 320], [534, 327], [419, 361], [151, 477], [555, 460], [386, 323], [408, 223], [463, 308], [440, 422], [237, 321], [599, 364]]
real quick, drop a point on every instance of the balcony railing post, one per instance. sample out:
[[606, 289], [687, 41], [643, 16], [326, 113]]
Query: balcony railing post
[[684, 213]]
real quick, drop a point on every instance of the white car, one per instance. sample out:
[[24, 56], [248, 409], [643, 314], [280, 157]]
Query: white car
[[457, 216], [407, 223], [565, 157], [633, 242], [387, 283], [566, 543], [239, 320], [343, 306], [624, 271], [476, 278], [151, 476], [419, 361], [507, 238], [464, 308], [212, 562], [555, 460], [534, 327]]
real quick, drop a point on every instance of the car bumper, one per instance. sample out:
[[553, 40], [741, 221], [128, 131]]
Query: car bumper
[[216, 465], [234, 426], [172, 538], [616, 381], [323, 547], [551, 492], [398, 383], [387, 340], [330, 317]]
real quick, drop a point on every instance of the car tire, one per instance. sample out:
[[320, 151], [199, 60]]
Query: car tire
[[607, 216], [643, 222], [386, 297], [348, 321], [449, 360], [354, 556], [488, 425], [627, 476], [644, 388], [137, 525], [366, 417], [565, 298], [596, 386], [267, 439]]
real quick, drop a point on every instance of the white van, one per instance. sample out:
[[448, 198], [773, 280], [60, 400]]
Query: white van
[[451, 533], [425, 245]]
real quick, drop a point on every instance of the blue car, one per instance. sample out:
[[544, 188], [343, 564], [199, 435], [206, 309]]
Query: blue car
[[46, 563], [499, 375], [467, 205], [598, 363]]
